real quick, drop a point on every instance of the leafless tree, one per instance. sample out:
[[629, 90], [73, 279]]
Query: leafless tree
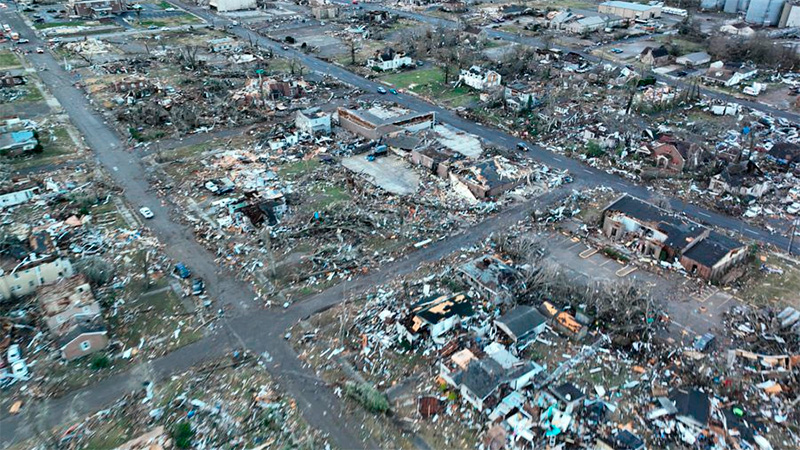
[[353, 45], [661, 201]]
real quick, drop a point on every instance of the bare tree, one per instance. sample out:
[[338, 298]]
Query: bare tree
[[353, 45], [661, 201]]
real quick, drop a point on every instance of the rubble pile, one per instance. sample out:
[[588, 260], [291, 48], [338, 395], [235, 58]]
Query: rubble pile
[[228, 402]]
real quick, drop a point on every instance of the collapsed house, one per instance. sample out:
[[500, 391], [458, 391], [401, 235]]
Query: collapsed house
[[654, 232], [73, 317], [490, 178], [436, 315], [743, 179], [491, 277]]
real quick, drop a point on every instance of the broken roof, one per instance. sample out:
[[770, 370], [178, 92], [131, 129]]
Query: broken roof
[[713, 248], [84, 327], [436, 308], [692, 404], [640, 209], [490, 272], [627, 5], [655, 52], [567, 392]]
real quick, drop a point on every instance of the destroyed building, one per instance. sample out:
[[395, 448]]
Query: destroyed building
[[491, 277], [479, 78], [490, 177], [73, 317], [742, 179], [313, 121], [23, 277], [654, 232], [366, 123]]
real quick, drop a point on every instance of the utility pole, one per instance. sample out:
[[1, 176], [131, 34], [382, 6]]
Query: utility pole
[[792, 231]]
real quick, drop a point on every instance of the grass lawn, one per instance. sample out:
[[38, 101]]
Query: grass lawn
[[156, 313], [323, 197], [8, 59], [429, 82], [296, 169], [174, 21], [46, 25], [33, 95], [774, 289], [56, 144]]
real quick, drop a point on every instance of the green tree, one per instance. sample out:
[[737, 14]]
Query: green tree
[[182, 434]]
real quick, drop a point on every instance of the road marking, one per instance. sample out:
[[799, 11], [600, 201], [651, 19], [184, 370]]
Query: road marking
[[751, 231], [557, 158], [588, 171], [625, 271], [703, 214], [588, 253], [604, 263], [621, 184]]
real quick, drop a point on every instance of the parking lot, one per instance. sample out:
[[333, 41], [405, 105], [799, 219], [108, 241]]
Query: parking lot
[[692, 311]]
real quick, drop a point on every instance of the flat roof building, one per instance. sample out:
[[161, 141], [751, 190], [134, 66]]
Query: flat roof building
[[630, 10]]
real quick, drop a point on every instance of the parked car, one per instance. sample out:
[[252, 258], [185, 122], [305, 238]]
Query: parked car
[[704, 342], [23, 41], [182, 271], [393, 91], [39, 50], [211, 186], [616, 50], [381, 90], [13, 355], [146, 213], [198, 286], [20, 370]]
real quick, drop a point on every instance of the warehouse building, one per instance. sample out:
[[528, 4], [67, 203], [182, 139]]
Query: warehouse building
[[630, 10]]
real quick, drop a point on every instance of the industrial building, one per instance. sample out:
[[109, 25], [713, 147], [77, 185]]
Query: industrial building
[[757, 12], [764, 12], [790, 16], [630, 10], [232, 5]]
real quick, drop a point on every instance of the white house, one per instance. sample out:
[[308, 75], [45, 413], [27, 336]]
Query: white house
[[313, 121], [388, 59], [694, 59], [18, 279], [225, 44], [17, 198], [477, 78]]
